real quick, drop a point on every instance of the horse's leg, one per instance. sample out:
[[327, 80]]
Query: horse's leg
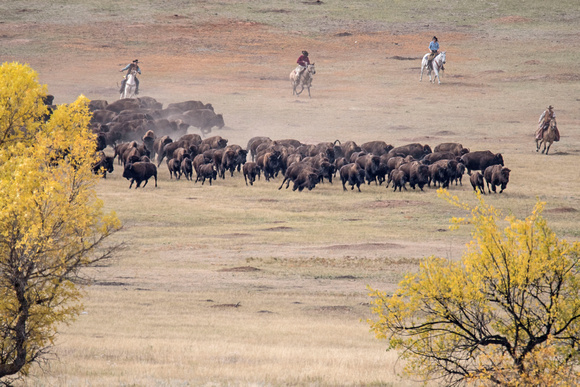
[[422, 69], [301, 90], [548, 149], [537, 144]]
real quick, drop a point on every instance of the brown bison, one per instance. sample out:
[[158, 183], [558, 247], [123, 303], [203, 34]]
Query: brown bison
[[495, 175], [480, 160], [301, 170], [250, 171], [399, 179], [457, 149], [376, 147], [200, 160], [253, 144], [187, 168], [418, 174], [436, 156], [476, 180], [270, 163], [158, 145], [174, 167], [215, 142], [206, 171], [103, 164], [371, 164], [305, 179], [189, 105], [416, 150], [204, 119], [353, 174], [139, 172]]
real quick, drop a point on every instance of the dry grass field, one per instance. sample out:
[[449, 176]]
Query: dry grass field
[[235, 285]]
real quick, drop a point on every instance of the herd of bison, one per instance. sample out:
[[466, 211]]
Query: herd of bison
[[143, 134]]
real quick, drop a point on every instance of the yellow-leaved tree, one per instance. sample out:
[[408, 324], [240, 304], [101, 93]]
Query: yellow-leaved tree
[[51, 222], [507, 313]]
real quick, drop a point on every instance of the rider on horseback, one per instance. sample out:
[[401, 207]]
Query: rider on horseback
[[303, 62], [131, 67], [544, 122], [434, 47]]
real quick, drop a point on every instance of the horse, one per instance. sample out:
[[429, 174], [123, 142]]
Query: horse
[[548, 137], [305, 80], [437, 62], [129, 90]]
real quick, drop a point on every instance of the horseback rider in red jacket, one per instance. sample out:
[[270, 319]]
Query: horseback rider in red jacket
[[303, 62]]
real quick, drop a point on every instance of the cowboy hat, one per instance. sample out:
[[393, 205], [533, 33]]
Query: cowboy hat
[[550, 107], [136, 60], [305, 53]]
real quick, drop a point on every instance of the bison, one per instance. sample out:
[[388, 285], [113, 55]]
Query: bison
[[103, 164], [187, 168], [353, 174], [457, 149], [206, 171], [418, 174], [476, 180], [495, 175], [480, 160], [139, 172], [416, 150], [174, 167], [376, 147], [204, 119], [253, 144], [250, 171], [399, 179]]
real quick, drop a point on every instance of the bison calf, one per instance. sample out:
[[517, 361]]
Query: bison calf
[[476, 180]]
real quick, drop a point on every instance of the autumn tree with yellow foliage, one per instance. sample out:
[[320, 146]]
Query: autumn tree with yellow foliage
[[507, 313], [52, 224]]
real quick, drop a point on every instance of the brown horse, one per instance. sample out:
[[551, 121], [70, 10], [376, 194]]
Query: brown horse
[[548, 137]]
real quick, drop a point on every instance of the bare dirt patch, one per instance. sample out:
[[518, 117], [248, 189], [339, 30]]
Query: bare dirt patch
[[240, 269], [561, 210]]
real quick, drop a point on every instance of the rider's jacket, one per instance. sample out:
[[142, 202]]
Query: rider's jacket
[[303, 60], [132, 66]]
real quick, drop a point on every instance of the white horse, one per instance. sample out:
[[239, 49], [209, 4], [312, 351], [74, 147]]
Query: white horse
[[304, 81], [437, 62], [130, 85]]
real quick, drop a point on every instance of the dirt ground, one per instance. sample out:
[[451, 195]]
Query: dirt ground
[[366, 88]]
